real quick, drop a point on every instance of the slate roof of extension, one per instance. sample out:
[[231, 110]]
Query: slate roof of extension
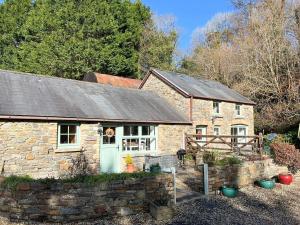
[[29, 96], [200, 88]]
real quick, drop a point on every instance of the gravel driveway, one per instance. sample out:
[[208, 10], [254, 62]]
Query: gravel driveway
[[254, 205]]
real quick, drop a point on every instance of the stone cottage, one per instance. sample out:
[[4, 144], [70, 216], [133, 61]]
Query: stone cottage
[[45, 122], [211, 107]]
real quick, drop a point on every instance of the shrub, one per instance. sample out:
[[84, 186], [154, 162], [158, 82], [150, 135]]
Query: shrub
[[12, 182], [210, 157], [79, 166], [189, 157], [228, 161], [287, 155]]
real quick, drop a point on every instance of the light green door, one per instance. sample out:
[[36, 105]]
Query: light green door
[[109, 150]]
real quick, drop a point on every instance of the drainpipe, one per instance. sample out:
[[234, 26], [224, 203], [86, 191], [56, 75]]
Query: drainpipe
[[191, 108]]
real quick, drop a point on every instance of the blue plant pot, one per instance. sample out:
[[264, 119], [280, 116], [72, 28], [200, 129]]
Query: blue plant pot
[[229, 192], [267, 184]]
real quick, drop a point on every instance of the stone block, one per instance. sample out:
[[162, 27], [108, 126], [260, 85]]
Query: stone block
[[69, 211], [23, 187]]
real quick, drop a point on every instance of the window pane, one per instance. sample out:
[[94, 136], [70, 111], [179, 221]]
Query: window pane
[[125, 144], [63, 139], [109, 140], [134, 144], [72, 129], [145, 144], [134, 131], [109, 135], [216, 107], [72, 139], [152, 130], [145, 130], [64, 129], [126, 131], [216, 131]]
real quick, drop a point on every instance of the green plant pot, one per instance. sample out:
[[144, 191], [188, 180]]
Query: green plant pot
[[155, 169], [229, 192], [267, 184]]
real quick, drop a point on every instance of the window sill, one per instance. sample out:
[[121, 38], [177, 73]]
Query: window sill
[[140, 153], [239, 117], [65, 150], [217, 116]]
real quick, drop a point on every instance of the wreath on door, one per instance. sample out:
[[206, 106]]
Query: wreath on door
[[109, 132]]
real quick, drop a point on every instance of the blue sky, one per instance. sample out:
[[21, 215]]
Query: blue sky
[[190, 14]]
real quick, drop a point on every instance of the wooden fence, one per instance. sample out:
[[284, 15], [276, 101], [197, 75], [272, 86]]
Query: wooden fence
[[228, 143]]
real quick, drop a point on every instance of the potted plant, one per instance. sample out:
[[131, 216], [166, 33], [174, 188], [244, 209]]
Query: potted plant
[[266, 183], [129, 164], [229, 191], [155, 168], [161, 209], [285, 178]]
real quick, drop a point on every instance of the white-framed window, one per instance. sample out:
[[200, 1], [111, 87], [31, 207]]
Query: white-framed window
[[237, 109], [68, 135], [216, 107], [217, 130], [241, 131], [139, 138], [200, 131]]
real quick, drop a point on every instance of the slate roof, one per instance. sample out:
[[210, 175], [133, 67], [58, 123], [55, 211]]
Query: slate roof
[[116, 81], [200, 88], [41, 97]]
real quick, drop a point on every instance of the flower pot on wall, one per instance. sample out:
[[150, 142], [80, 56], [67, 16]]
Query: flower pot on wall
[[285, 178]]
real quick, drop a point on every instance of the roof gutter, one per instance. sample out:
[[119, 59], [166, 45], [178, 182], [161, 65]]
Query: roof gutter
[[47, 118]]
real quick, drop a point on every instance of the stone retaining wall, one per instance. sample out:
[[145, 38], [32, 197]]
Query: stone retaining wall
[[238, 175], [58, 202]]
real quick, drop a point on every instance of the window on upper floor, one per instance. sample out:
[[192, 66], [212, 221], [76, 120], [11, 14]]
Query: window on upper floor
[[217, 130], [237, 109], [216, 107], [68, 135]]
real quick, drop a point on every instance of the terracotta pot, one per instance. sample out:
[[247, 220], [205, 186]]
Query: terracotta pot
[[130, 168], [285, 178]]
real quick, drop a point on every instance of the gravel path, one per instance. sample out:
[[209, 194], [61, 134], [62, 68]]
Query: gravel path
[[254, 205]]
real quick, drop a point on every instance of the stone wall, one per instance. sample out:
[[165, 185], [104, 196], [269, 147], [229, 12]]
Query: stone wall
[[203, 112], [171, 138], [31, 148], [238, 175], [58, 202], [175, 99]]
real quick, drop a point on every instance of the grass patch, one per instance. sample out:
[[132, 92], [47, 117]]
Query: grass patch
[[12, 182]]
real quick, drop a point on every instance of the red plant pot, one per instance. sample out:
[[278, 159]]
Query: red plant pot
[[285, 178], [130, 168]]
